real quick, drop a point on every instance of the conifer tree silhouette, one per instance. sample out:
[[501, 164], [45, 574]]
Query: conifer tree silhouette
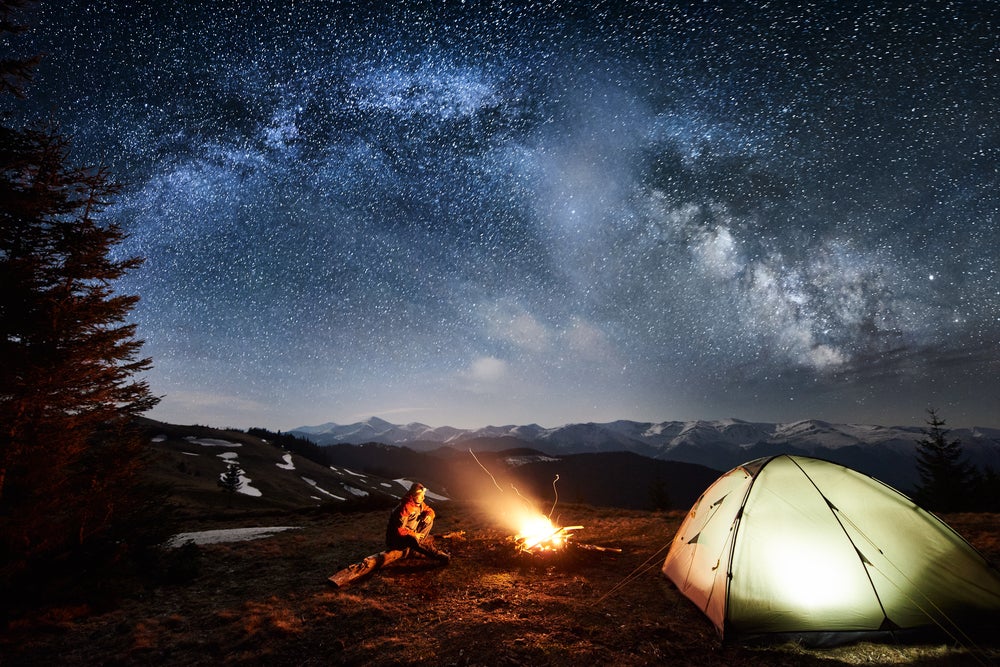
[[68, 387], [946, 480], [230, 480]]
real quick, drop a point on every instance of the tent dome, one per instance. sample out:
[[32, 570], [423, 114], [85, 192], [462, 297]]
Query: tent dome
[[792, 547]]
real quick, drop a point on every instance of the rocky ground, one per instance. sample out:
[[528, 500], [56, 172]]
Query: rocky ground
[[268, 602]]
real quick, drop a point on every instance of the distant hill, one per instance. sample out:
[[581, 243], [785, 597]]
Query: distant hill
[[609, 479], [188, 460], [884, 452]]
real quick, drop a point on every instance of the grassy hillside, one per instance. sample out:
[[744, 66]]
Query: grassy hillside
[[267, 601], [608, 479], [188, 460]]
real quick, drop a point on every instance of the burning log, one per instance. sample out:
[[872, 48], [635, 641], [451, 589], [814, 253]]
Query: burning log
[[568, 553], [540, 538], [554, 540]]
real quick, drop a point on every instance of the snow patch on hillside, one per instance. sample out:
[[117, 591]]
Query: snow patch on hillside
[[427, 492], [211, 442], [312, 483], [225, 535], [515, 461]]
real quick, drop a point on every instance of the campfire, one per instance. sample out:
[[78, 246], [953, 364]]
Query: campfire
[[538, 535]]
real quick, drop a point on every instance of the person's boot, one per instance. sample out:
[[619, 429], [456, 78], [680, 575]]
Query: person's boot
[[441, 556]]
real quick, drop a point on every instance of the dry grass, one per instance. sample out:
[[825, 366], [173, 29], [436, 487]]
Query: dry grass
[[267, 602]]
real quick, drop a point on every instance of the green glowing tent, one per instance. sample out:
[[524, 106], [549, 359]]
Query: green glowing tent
[[791, 547]]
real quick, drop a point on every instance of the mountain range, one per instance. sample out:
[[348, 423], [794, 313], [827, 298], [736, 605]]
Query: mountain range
[[885, 452]]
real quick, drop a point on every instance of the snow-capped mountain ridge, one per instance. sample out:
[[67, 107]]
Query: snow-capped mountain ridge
[[886, 452], [663, 436]]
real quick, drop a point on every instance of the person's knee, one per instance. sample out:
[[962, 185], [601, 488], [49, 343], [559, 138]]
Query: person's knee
[[402, 542]]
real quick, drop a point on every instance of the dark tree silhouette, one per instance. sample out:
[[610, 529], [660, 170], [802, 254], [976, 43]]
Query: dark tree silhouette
[[14, 72], [68, 392], [988, 491], [307, 449], [230, 480], [659, 495], [946, 481]]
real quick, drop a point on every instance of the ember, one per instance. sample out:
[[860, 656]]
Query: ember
[[538, 534]]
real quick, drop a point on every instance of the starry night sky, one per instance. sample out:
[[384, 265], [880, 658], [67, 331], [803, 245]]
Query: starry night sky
[[473, 213]]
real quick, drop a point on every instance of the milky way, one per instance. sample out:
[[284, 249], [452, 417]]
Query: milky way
[[491, 213]]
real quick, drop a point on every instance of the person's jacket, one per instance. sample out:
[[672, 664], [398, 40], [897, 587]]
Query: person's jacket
[[405, 519]]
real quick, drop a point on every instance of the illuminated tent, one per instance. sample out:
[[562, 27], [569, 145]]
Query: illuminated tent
[[791, 547]]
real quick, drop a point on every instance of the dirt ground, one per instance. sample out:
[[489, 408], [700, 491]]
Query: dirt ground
[[268, 602]]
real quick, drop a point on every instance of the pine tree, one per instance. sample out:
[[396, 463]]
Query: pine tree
[[230, 480], [68, 392], [945, 479], [988, 491], [659, 496]]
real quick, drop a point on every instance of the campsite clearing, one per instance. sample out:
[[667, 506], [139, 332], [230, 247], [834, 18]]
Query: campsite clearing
[[268, 601]]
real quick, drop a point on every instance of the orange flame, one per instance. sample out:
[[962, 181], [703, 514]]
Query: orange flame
[[538, 532]]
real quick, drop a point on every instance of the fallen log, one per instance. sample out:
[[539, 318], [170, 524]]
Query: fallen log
[[365, 567], [594, 547], [369, 564]]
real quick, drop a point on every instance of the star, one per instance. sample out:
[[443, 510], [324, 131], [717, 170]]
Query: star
[[468, 213]]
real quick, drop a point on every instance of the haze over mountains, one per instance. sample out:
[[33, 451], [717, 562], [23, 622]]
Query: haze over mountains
[[885, 452]]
